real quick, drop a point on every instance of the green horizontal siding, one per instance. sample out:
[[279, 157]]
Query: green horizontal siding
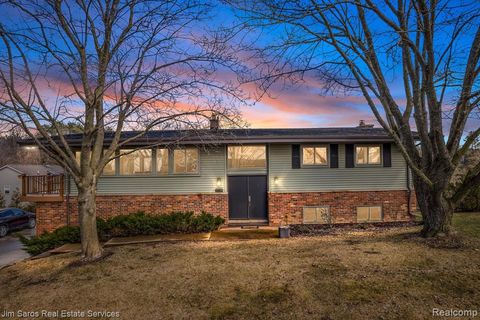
[[212, 166], [247, 172], [332, 179]]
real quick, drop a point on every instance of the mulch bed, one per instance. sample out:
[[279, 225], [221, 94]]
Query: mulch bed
[[302, 230]]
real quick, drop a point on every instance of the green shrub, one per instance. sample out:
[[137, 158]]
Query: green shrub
[[138, 223], [206, 222], [49, 240], [133, 224], [176, 222], [103, 229]]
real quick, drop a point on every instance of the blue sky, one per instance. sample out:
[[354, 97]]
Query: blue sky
[[304, 104]]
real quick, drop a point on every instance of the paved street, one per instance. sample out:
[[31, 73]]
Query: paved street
[[11, 248]]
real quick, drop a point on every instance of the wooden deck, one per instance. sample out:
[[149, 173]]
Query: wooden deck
[[49, 188]]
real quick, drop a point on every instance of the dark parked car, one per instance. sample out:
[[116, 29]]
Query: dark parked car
[[14, 219]]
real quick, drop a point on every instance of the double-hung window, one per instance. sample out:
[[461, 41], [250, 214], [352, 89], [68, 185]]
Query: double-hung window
[[162, 161], [137, 162], [368, 155], [314, 155], [185, 161], [108, 170]]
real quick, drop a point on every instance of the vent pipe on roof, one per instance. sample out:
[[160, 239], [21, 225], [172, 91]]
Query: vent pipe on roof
[[214, 122], [362, 124]]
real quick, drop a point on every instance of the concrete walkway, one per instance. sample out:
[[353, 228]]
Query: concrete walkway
[[226, 234], [157, 238], [232, 234]]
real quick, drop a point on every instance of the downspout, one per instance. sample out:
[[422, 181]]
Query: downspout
[[409, 193], [67, 176]]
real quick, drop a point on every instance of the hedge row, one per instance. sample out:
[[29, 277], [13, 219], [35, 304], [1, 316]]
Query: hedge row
[[127, 225]]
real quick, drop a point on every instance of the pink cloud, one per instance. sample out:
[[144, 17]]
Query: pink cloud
[[303, 105]]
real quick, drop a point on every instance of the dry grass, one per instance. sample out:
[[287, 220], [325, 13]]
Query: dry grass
[[384, 275]]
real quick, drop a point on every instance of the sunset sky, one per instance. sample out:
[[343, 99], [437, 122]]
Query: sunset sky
[[304, 104]]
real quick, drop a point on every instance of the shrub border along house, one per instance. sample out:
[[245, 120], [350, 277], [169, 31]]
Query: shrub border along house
[[134, 224]]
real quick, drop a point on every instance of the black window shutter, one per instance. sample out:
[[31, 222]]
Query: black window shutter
[[387, 155], [334, 156], [295, 156], [349, 163]]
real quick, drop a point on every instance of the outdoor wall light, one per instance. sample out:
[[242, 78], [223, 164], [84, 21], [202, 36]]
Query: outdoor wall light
[[275, 181], [219, 187]]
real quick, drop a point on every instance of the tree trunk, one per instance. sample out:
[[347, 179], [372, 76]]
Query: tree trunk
[[437, 211], [91, 248]]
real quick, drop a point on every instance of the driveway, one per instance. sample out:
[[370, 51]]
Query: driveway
[[11, 248]]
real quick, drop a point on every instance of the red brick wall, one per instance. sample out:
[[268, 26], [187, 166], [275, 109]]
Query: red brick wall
[[51, 215], [287, 208], [283, 208]]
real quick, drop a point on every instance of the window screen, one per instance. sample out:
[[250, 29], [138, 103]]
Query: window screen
[[185, 160], [367, 155], [316, 215], [314, 155], [369, 214], [109, 168], [247, 157], [136, 162], [162, 161]]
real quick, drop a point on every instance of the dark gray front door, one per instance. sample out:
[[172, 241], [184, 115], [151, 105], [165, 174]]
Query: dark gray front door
[[247, 197]]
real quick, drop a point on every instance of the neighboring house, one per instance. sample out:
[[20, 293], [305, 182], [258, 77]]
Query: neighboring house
[[251, 176], [10, 176]]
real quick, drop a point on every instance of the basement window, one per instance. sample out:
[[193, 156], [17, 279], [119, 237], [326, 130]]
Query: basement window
[[369, 214], [316, 215]]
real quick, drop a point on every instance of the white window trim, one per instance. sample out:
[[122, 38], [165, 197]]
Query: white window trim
[[327, 146], [368, 164]]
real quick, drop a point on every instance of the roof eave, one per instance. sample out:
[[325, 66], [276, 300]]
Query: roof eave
[[242, 140]]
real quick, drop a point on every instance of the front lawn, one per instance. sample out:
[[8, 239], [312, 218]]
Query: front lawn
[[390, 274], [467, 223]]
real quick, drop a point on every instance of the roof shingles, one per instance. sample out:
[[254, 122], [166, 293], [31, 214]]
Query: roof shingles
[[344, 134]]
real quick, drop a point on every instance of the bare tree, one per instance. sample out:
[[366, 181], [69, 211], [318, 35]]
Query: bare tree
[[432, 46], [12, 153], [118, 64]]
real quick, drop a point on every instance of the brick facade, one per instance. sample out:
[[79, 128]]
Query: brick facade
[[283, 208], [287, 208], [51, 215]]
